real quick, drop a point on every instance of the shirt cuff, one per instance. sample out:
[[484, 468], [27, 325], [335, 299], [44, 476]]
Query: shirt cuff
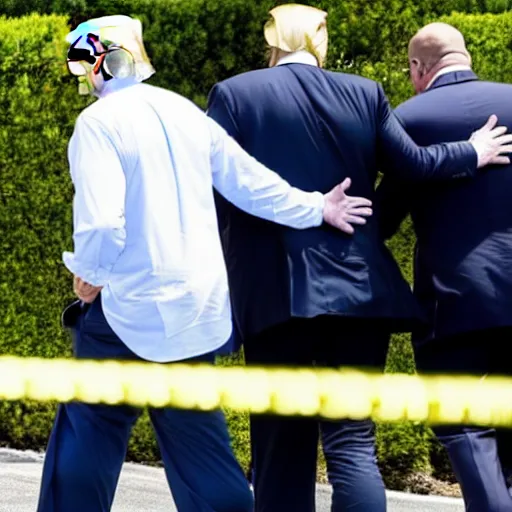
[[320, 204], [96, 277]]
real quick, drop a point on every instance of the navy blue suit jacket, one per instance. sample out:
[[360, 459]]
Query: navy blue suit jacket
[[463, 260], [316, 128]]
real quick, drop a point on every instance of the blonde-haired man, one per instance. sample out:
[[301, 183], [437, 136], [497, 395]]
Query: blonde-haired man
[[317, 297]]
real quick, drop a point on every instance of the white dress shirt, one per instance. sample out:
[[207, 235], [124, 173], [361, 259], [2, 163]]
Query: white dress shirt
[[143, 161], [300, 57]]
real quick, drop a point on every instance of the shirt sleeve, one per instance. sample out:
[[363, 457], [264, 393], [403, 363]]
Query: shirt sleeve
[[99, 203], [257, 190]]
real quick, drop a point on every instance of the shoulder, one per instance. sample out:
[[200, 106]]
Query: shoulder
[[247, 83], [92, 113], [171, 100], [231, 95], [91, 120], [456, 100], [425, 103], [350, 78], [253, 82], [255, 76], [355, 82], [411, 105], [125, 104], [99, 115], [494, 87]]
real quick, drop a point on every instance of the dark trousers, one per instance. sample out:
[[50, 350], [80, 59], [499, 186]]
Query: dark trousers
[[481, 458], [284, 450], [88, 444]]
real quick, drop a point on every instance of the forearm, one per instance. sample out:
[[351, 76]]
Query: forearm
[[273, 199], [298, 209], [442, 162], [257, 190], [405, 160]]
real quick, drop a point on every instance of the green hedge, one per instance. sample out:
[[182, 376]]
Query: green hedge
[[38, 105], [193, 44]]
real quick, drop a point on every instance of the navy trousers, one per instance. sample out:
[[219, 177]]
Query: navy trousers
[[284, 450], [88, 443], [480, 457]]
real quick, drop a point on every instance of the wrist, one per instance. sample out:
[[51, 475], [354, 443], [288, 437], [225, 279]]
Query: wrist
[[320, 199]]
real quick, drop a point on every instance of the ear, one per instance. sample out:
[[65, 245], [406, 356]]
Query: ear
[[417, 66], [119, 63]]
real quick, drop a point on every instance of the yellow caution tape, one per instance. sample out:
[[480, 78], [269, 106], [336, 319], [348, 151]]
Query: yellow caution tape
[[331, 394]]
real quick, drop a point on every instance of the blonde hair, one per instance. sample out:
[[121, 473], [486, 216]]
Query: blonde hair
[[296, 27], [124, 32]]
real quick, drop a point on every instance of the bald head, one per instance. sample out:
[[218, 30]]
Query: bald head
[[434, 47]]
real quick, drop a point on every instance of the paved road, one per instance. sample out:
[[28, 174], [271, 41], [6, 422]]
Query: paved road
[[143, 489]]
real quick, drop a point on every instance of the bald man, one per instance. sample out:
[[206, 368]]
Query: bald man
[[463, 262]]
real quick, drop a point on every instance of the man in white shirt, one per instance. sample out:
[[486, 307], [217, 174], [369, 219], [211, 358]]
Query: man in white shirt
[[149, 267]]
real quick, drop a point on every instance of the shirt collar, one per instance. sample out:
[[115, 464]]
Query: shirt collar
[[116, 84], [300, 57], [444, 71]]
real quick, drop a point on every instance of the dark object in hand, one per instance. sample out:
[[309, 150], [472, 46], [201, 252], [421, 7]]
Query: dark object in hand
[[72, 313]]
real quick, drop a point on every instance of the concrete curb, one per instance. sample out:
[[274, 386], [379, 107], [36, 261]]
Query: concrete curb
[[403, 496], [424, 498], [10, 456]]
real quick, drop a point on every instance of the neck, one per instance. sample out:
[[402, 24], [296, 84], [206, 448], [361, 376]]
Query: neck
[[300, 57], [116, 84]]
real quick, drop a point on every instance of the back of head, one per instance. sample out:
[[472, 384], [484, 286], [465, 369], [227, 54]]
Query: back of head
[[108, 48], [296, 27], [433, 48]]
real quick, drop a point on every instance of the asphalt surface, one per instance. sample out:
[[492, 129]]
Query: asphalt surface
[[144, 489]]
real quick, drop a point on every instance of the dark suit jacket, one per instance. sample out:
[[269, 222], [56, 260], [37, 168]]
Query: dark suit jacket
[[316, 128], [463, 261]]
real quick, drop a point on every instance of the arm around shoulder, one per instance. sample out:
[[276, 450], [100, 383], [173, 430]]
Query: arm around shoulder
[[407, 161]]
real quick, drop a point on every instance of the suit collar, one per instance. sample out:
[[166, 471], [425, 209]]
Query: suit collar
[[453, 77]]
